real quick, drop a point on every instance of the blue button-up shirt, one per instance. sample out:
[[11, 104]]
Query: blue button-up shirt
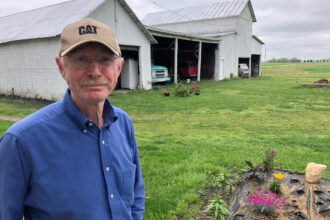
[[58, 165]]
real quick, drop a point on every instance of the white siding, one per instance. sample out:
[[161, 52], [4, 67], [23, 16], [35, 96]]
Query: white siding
[[28, 69], [244, 33], [256, 46], [229, 53], [127, 33]]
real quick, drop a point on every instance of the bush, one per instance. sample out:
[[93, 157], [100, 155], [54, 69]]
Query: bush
[[181, 90]]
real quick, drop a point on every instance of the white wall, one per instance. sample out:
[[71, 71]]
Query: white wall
[[244, 33], [229, 53], [28, 69], [256, 46], [127, 33]]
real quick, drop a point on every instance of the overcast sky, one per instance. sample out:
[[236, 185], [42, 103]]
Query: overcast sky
[[289, 28]]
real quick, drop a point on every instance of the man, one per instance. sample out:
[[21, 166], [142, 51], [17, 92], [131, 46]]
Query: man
[[75, 159]]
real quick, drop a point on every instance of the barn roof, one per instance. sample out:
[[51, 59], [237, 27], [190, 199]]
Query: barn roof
[[258, 39], [49, 21], [202, 12]]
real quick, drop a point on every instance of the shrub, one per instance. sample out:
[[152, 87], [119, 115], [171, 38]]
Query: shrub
[[181, 90], [195, 88]]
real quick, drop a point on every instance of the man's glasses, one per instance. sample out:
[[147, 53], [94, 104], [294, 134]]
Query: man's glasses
[[83, 61]]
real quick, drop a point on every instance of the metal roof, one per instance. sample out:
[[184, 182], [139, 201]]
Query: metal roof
[[258, 39], [202, 12], [49, 21]]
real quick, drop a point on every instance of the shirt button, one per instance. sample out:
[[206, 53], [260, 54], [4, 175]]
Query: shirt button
[[103, 142], [90, 124], [107, 169], [85, 131], [111, 196]]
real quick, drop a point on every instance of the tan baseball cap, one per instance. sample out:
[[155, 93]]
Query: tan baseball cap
[[87, 30]]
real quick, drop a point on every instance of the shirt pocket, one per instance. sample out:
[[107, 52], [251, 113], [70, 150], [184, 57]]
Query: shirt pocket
[[126, 187]]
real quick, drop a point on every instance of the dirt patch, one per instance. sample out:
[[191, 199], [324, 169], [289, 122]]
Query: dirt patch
[[9, 118], [32, 100]]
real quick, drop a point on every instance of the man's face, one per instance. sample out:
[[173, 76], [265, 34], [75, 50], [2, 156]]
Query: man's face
[[91, 72]]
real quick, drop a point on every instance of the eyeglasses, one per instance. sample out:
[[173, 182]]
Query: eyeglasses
[[84, 61]]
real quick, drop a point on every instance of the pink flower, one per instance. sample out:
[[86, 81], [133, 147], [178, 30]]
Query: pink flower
[[265, 200]]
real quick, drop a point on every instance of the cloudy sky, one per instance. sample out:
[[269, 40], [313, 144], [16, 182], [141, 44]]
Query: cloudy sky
[[290, 28]]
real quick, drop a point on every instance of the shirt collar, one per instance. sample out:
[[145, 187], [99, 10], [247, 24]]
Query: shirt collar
[[109, 115]]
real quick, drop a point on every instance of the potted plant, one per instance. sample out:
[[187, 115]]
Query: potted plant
[[196, 88], [165, 93]]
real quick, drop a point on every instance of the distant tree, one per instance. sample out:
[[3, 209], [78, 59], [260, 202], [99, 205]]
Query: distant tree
[[295, 60], [283, 60], [273, 60]]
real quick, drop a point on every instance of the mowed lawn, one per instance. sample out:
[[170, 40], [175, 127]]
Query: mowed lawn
[[183, 140]]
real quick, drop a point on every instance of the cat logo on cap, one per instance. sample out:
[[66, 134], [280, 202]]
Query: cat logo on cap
[[88, 29]]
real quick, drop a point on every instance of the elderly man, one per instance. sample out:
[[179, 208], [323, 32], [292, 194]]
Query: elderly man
[[75, 159]]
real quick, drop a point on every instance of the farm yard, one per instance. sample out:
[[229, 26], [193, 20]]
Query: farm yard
[[184, 141]]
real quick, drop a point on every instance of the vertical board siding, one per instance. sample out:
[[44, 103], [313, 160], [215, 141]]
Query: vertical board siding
[[28, 69]]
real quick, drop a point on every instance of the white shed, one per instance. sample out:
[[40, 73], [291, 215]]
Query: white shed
[[30, 42], [229, 21]]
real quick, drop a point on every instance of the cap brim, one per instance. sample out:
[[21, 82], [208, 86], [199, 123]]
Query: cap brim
[[66, 51]]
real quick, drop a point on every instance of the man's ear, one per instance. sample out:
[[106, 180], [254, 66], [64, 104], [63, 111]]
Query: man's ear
[[120, 65], [60, 66]]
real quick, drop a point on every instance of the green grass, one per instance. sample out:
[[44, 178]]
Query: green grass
[[182, 140], [17, 108]]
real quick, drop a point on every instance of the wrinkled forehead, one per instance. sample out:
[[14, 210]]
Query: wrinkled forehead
[[91, 47]]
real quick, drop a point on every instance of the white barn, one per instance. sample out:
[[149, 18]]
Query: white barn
[[30, 42], [230, 22]]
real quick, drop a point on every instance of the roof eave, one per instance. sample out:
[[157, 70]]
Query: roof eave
[[254, 19], [137, 21], [258, 39]]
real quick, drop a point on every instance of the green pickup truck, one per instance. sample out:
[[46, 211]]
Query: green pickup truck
[[159, 74]]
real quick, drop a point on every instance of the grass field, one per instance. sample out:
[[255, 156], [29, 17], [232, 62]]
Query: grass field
[[183, 140]]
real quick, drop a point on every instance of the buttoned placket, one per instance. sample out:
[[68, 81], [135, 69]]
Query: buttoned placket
[[105, 158], [106, 162]]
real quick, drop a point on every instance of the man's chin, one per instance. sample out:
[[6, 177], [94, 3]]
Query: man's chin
[[96, 96]]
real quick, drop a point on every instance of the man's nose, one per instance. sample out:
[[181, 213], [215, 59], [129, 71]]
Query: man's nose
[[94, 69]]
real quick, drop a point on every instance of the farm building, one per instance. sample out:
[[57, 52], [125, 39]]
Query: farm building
[[30, 42], [226, 24], [215, 37]]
